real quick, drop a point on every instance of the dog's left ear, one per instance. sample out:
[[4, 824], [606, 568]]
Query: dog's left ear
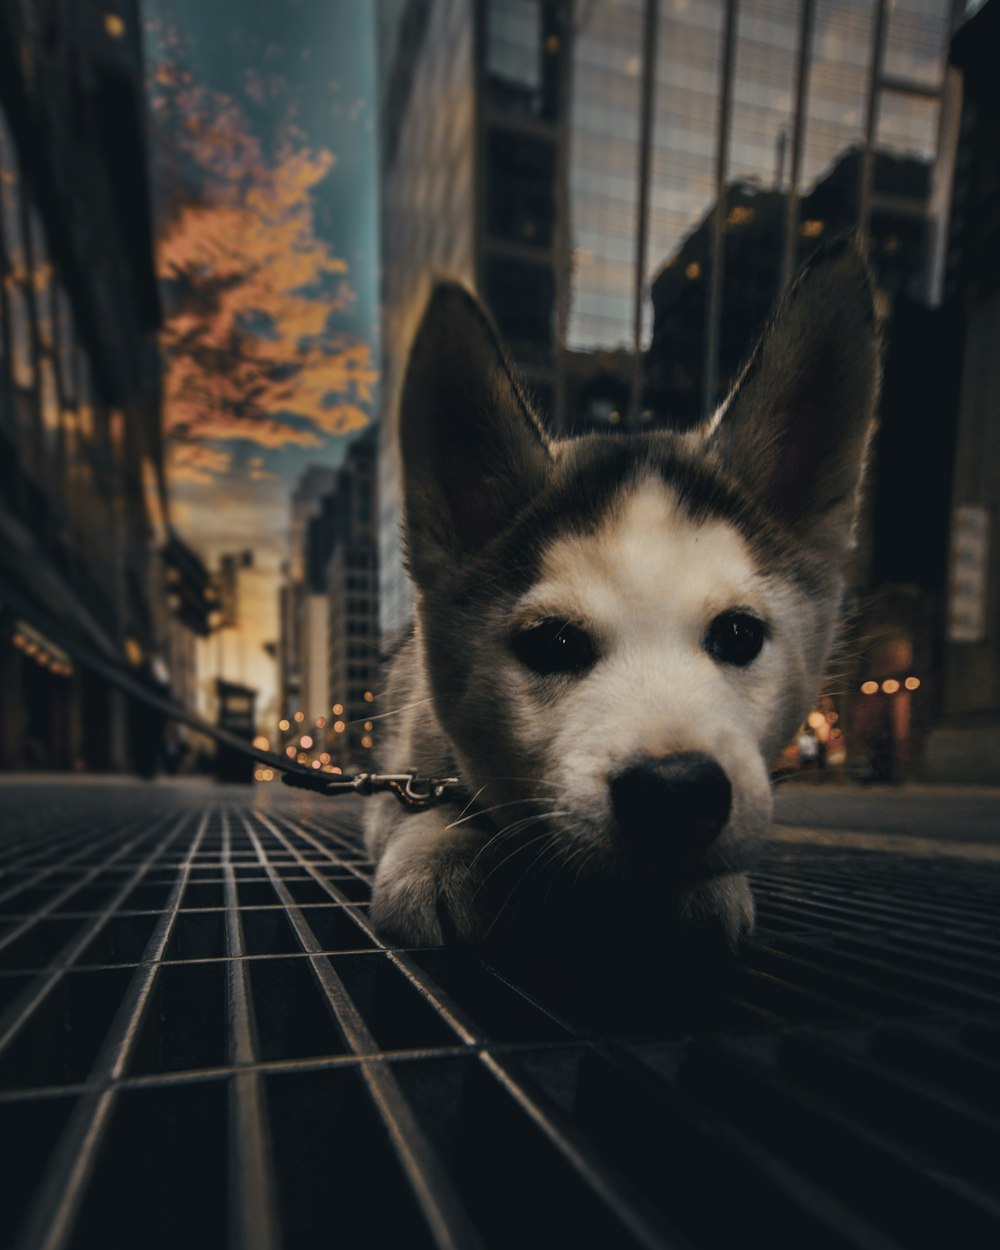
[[797, 426], [474, 454]]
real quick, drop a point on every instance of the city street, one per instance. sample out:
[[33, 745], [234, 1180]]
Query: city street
[[596, 401], [188, 976]]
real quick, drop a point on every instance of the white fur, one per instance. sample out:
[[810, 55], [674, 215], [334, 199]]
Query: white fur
[[647, 586]]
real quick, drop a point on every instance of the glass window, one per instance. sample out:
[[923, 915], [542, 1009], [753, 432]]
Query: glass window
[[916, 38], [908, 124], [22, 365], [521, 171], [514, 45], [685, 133], [837, 98], [604, 170], [521, 297], [764, 82]]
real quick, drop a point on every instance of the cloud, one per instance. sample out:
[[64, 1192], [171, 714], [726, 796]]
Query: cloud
[[196, 462], [252, 293]]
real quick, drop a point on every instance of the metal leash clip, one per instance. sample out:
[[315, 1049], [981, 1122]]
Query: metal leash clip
[[414, 792]]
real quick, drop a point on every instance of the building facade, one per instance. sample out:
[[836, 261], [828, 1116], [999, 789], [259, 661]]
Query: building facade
[[293, 658], [80, 450], [561, 157], [965, 745], [352, 589], [329, 719]]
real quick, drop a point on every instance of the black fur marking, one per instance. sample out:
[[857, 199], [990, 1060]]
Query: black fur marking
[[588, 481]]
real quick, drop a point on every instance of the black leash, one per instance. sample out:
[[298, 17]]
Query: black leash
[[415, 793]]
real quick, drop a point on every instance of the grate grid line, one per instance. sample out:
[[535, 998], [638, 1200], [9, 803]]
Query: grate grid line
[[49, 1222], [207, 1044], [449, 1011], [253, 1220], [441, 1207], [20, 1011]]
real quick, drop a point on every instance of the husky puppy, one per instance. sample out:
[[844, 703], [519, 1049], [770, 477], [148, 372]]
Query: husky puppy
[[615, 634]]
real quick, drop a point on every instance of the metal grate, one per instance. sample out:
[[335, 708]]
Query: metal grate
[[202, 1043]]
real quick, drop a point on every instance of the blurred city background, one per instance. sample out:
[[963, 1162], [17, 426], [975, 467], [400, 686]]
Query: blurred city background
[[217, 225]]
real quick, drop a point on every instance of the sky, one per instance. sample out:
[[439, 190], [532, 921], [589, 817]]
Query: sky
[[298, 73]]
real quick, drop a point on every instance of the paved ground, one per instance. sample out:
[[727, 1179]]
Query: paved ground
[[962, 821], [203, 1043], [961, 813]]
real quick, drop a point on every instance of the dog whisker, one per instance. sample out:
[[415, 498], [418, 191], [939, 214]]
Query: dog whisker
[[509, 831], [496, 807], [470, 803], [517, 827]]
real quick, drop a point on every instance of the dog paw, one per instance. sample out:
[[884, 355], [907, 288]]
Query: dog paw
[[425, 896], [724, 904]]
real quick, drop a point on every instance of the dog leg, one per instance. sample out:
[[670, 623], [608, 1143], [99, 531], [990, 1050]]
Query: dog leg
[[425, 884]]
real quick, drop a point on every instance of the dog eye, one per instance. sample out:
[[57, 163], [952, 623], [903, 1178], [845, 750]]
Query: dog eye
[[735, 638], [554, 646]]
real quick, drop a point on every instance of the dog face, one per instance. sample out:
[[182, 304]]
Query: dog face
[[622, 631]]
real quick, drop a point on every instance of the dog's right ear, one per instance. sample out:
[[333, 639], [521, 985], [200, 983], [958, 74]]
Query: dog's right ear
[[473, 451]]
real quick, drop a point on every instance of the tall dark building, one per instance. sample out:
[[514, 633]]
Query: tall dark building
[[352, 591], [965, 746], [337, 634], [302, 609], [79, 401], [473, 151], [752, 272]]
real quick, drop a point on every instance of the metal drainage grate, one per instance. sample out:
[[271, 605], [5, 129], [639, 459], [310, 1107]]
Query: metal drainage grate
[[202, 1043]]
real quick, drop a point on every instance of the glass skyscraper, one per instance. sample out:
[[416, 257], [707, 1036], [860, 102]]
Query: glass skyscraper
[[616, 174]]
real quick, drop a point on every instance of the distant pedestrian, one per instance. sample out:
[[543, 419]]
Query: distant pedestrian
[[808, 750]]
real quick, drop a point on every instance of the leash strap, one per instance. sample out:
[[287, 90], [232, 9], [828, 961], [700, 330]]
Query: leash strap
[[415, 793]]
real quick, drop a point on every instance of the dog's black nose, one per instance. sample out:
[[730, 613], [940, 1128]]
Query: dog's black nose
[[680, 800]]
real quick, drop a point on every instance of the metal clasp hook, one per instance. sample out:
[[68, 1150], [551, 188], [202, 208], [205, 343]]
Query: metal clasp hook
[[414, 792]]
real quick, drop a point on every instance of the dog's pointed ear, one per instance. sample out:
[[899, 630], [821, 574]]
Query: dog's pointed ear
[[796, 429], [473, 451]]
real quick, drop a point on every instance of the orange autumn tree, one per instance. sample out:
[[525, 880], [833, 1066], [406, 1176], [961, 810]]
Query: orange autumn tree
[[252, 295]]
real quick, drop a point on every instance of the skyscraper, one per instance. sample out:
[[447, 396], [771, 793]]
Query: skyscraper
[[557, 155], [79, 389]]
